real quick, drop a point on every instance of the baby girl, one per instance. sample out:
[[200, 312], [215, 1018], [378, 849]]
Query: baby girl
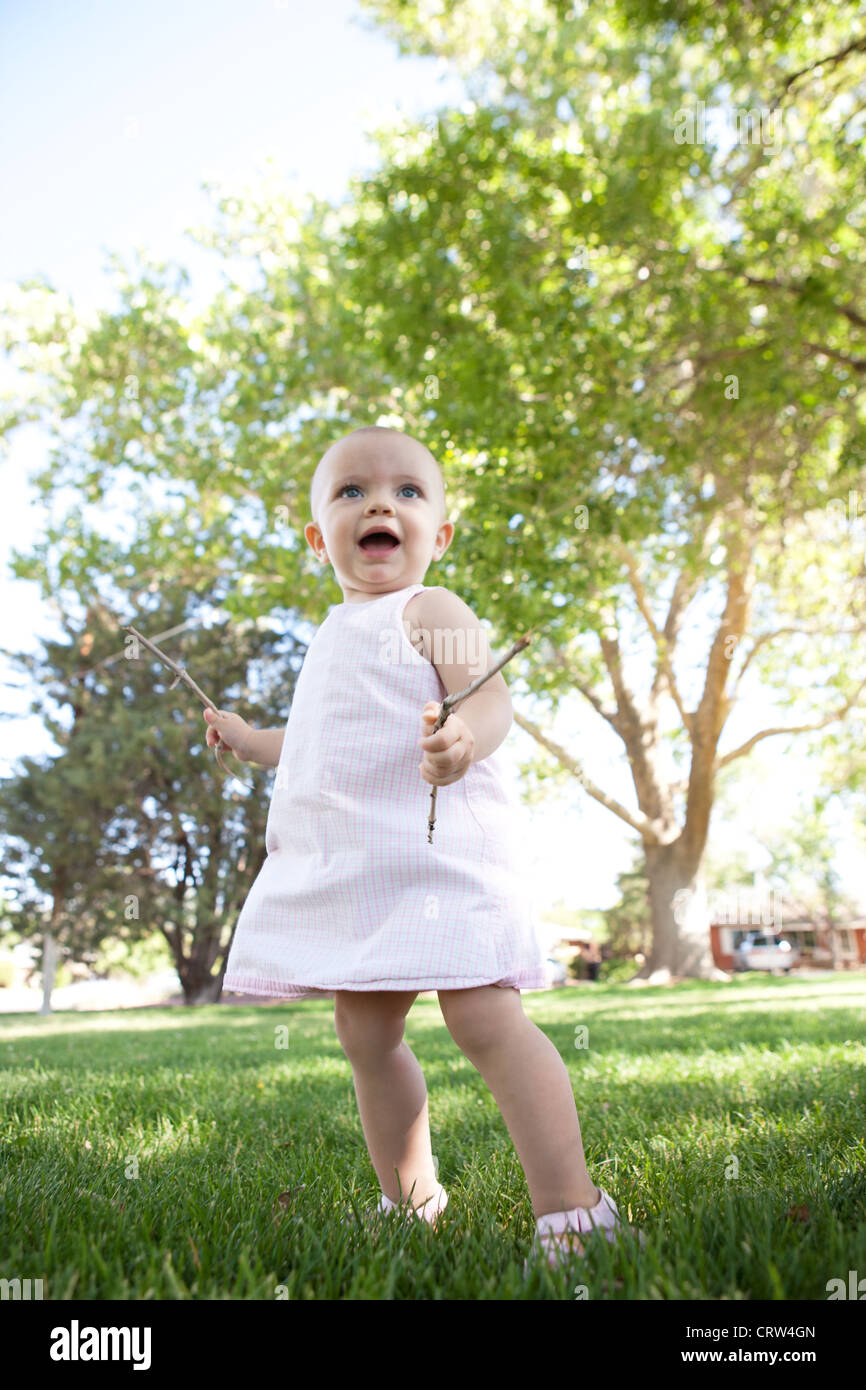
[[353, 900]]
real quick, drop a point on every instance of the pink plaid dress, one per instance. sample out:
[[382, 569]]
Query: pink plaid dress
[[352, 896]]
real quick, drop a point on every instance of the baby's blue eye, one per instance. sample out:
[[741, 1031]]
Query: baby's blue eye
[[347, 486]]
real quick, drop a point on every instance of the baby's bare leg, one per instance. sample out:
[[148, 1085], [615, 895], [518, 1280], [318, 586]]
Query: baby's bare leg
[[530, 1083], [390, 1089]]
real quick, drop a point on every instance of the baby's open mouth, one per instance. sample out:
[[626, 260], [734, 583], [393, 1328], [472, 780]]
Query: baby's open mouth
[[379, 542]]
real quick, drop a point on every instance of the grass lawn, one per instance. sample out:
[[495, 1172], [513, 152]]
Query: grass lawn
[[145, 1151]]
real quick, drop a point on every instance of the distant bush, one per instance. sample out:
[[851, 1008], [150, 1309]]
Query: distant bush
[[618, 971], [577, 967]]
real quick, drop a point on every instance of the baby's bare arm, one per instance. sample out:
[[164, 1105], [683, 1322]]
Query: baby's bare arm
[[456, 644], [267, 747], [489, 716], [249, 745]]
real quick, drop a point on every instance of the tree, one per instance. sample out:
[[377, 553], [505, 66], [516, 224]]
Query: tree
[[132, 829], [638, 357], [728, 354]]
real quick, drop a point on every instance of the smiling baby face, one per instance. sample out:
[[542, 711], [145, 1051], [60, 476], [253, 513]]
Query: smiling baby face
[[378, 480]]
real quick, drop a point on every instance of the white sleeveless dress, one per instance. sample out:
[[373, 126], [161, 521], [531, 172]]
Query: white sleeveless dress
[[352, 896]]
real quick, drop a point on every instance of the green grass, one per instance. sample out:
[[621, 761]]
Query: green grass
[[143, 1152]]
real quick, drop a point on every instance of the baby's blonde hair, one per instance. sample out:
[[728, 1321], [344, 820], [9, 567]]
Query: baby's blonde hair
[[316, 481]]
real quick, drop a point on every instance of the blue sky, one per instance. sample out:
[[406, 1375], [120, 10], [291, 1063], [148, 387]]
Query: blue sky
[[114, 116]]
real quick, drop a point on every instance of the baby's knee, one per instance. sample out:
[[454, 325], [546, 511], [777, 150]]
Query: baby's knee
[[368, 1024], [479, 1019]]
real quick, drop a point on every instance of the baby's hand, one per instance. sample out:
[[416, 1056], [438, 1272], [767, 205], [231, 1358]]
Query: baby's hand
[[230, 731], [448, 752]]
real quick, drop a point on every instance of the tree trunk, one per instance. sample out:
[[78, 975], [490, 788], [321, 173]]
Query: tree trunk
[[681, 935], [207, 993], [199, 985], [50, 951], [49, 970]]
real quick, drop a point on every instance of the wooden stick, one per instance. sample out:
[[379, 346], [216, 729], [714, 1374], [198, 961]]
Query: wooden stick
[[181, 674], [451, 701]]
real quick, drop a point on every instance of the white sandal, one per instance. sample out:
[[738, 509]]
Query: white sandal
[[429, 1210], [556, 1234]]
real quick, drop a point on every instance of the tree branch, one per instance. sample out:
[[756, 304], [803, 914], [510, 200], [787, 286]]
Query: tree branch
[[714, 706], [181, 675], [700, 358], [766, 637], [660, 639], [793, 729], [636, 730], [586, 690], [772, 282], [858, 363], [684, 591], [640, 823], [856, 46]]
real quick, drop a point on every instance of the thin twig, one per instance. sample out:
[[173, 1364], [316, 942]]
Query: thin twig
[[181, 674], [451, 701]]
